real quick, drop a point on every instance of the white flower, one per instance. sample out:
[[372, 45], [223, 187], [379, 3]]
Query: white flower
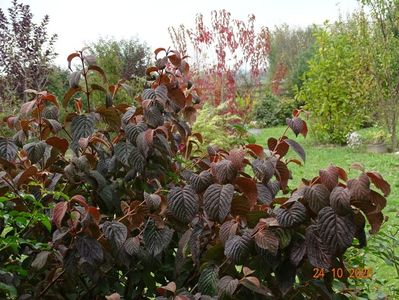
[[354, 140]]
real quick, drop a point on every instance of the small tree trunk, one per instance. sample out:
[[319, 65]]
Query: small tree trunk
[[394, 138], [222, 89]]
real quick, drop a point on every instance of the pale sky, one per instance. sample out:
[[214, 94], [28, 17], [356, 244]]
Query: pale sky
[[78, 22]]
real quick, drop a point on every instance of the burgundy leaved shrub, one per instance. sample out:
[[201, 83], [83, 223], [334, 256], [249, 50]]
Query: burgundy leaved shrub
[[138, 212]]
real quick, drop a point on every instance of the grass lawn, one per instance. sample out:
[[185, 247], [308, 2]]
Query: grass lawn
[[385, 278]]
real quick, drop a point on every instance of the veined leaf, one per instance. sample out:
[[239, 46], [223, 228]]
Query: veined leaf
[[183, 203], [217, 201], [8, 150], [115, 232], [156, 240], [208, 280]]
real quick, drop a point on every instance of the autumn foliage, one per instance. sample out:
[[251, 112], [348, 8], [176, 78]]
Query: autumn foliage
[[223, 49], [138, 212]]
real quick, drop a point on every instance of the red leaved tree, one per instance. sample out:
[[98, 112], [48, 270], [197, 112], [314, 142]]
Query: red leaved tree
[[223, 50]]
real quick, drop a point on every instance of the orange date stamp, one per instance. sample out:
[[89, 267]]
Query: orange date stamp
[[358, 273]]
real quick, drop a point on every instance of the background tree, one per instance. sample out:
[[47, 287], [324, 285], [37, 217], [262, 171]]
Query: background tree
[[338, 85], [385, 68], [125, 59], [57, 81], [26, 52], [222, 49], [290, 49]]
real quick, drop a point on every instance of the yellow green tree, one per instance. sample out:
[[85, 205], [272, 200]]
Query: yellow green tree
[[337, 87]]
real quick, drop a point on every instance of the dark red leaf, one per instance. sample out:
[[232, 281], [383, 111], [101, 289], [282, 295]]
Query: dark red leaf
[[298, 251], [59, 212], [24, 176], [99, 71], [357, 166], [375, 220], [342, 174], [291, 217], [257, 150], [69, 94], [304, 130], [359, 188], [336, 232], [80, 200], [379, 182], [296, 124], [240, 206], [340, 200], [280, 147], [283, 174], [247, 186], [217, 201], [70, 58], [156, 51], [297, 148], [236, 156], [227, 229], [224, 171], [329, 177], [95, 213], [264, 169], [317, 251], [59, 143], [377, 200], [267, 240], [317, 197]]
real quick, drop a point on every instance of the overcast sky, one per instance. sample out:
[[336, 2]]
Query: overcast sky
[[78, 22]]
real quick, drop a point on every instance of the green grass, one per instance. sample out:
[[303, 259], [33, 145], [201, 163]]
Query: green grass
[[321, 156], [385, 277]]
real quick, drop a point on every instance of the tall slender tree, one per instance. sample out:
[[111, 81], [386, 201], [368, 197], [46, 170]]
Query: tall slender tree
[[384, 47], [26, 52], [222, 50]]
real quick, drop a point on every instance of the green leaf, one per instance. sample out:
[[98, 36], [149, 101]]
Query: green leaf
[[9, 290], [45, 221], [6, 230]]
